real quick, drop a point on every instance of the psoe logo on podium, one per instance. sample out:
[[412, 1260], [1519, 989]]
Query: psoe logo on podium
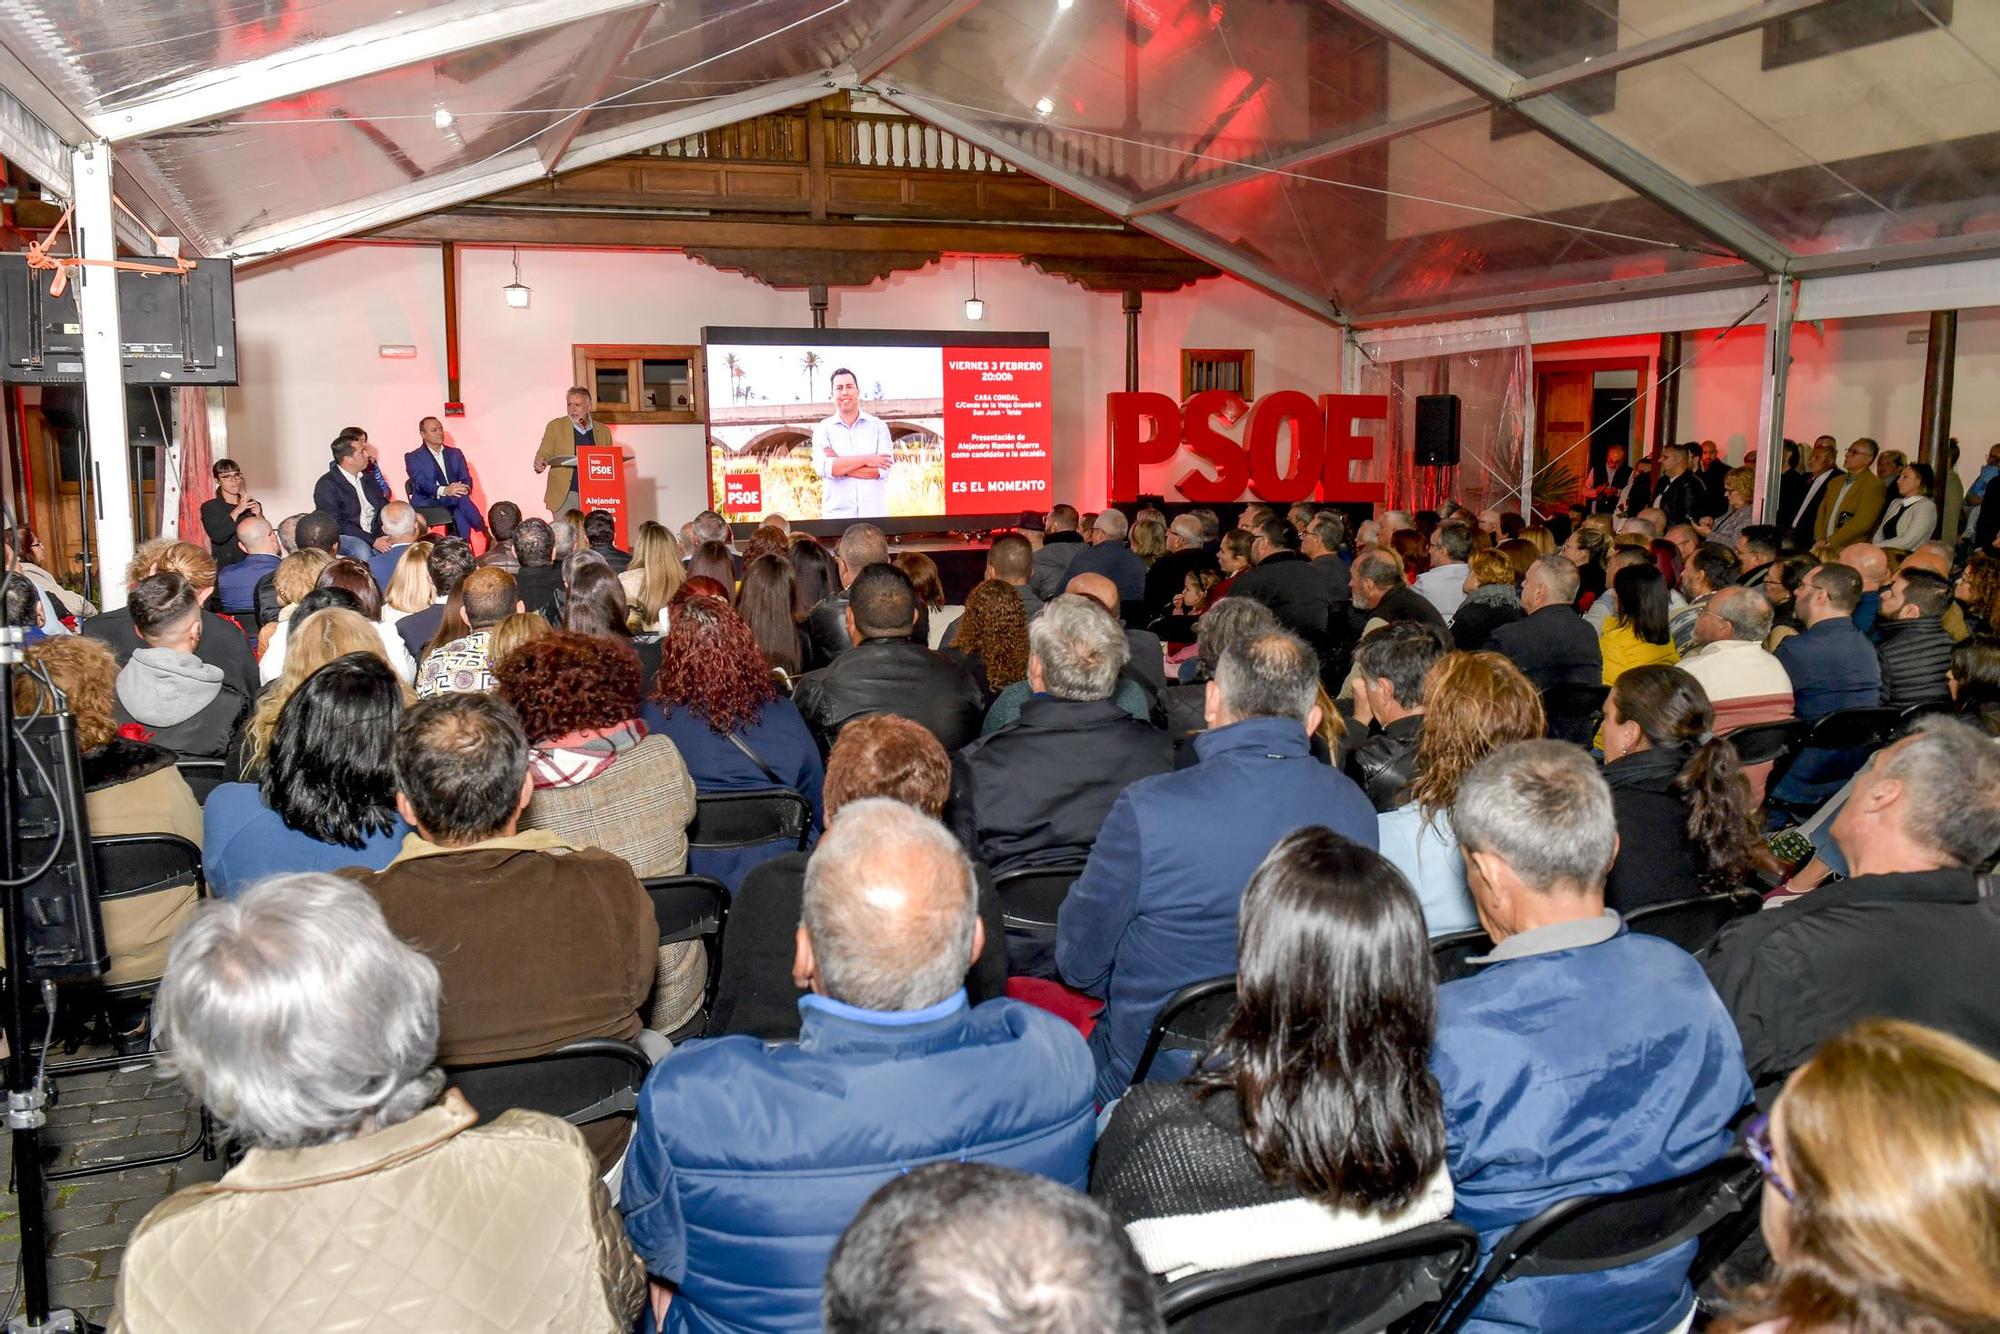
[[600, 469]]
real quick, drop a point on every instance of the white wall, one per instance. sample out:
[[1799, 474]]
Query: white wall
[[1848, 378], [308, 329]]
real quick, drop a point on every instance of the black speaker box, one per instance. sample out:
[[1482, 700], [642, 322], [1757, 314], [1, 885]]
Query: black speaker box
[[1437, 430]]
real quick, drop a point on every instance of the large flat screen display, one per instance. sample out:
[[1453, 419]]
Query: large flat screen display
[[838, 425]]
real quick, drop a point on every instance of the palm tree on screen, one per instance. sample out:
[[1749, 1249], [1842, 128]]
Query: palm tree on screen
[[811, 363], [735, 366]]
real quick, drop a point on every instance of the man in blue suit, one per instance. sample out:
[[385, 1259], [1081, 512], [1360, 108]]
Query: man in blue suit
[[352, 493], [438, 477], [1155, 908]]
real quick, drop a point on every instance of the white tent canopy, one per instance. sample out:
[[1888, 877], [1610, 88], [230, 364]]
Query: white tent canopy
[[1372, 161]]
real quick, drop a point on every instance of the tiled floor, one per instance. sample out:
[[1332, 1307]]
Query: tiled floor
[[105, 1115]]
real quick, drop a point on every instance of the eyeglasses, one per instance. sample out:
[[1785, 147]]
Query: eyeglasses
[[1757, 1143]]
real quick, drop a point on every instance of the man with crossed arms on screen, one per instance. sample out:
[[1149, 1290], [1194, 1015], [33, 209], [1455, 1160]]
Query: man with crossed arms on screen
[[851, 450]]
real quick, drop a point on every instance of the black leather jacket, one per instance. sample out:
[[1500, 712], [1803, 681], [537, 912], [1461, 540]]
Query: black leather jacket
[[826, 630], [896, 676], [1386, 761]]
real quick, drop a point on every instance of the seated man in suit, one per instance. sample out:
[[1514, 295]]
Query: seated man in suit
[[402, 527], [892, 1070], [349, 492], [1156, 906], [887, 671], [1580, 1059], [439, 479], [1036, 792]]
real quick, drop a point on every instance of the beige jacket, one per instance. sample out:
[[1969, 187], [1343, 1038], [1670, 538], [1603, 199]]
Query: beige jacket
[[434, 1224], [559, 441]]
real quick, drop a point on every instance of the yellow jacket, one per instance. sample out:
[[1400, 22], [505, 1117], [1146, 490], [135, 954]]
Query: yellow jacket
[[1623, 650], [1860, 510], [559, 441]]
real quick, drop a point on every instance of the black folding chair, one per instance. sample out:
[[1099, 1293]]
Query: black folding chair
[[1912, 714], [745, 819], [435, 516], [1191, 1020], [1587, 1234], [203, 776], [1574, 711], [692, 907], [1694, 923], [1766, 743], [130, 865], [587, 1080], [1030, 896], [1396, 1283], [1452, 955], [1841, 743]]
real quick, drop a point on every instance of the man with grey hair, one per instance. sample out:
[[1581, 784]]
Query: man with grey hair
[[1908, 936], [401, 525], [1229, 621], [1320, 541], [1378, 588], [976, 1249], [288, 533], [1110, 555], [1745, 682], [1187, 552], [860, 545], [303, 1023], [1155, 907], [1036, 792], [1605, 1050], [711, 527], [565, 530], [892, 1070]]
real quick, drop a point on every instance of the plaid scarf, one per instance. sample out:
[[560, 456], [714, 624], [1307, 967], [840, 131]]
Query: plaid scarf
[[582, 756]]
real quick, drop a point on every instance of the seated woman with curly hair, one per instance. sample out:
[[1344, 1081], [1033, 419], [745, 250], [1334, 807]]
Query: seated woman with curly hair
[[993, 638], [130, 787], [715, 699], [602, 780]]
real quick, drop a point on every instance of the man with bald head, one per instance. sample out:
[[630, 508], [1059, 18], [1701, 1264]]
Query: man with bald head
[[1872, 564], [749, 1158], [1148, 664], [236, 583], [1744, 682]]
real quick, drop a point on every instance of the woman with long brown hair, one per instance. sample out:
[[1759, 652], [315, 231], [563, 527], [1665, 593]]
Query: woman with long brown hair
[[932, 611], [1880, 1202], [993, 637], [765, 604], [1686, 820], [653, 577], [1474, 703]]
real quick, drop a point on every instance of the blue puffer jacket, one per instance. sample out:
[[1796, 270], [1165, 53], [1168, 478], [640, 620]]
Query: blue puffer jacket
[[1583, 1071], [1155, 908], [749, 1158]]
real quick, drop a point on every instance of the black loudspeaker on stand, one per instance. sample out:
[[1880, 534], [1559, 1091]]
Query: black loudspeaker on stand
[[52, 930], [1437, 430]]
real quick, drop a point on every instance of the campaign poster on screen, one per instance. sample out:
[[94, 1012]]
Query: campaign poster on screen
[[933, 424]]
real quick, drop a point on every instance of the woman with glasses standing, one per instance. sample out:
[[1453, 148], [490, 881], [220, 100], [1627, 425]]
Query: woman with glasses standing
[[1881, 1205], [230, 505]]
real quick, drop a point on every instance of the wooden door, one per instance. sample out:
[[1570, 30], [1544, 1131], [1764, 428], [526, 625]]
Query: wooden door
[[53, 482], [1563, 422]]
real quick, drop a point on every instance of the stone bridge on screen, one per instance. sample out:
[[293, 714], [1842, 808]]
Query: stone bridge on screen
[[756, 427]]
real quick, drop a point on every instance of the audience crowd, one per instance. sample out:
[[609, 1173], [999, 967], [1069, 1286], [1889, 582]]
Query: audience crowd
[[439, 784]]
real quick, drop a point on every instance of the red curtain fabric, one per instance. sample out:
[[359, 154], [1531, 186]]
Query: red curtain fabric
[[191, 416]]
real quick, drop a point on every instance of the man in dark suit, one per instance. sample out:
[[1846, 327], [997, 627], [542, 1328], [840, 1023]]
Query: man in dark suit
[[1110, 555], [1819, 475], [350, 493], [1185, 554], [887, 670], [538, 580], [1551, 644], [1606, 483], [1681, 496], [449, 562], [1285, 581], [439, 479]]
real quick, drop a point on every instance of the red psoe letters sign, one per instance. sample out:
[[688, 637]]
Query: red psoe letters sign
[[1147, 428]]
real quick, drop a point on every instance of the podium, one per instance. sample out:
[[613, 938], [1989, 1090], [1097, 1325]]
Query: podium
[[600, 485]]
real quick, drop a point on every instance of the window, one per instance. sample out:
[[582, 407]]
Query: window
[[1216, 368], [1842, 25], [1534, 37], [641, 382]]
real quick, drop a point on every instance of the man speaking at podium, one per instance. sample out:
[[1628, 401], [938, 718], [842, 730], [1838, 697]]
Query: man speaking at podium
[[439, 479], [852, 452], [561, 438]]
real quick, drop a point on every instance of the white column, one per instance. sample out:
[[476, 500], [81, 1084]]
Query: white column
[[107, 455], [1771, 411]]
